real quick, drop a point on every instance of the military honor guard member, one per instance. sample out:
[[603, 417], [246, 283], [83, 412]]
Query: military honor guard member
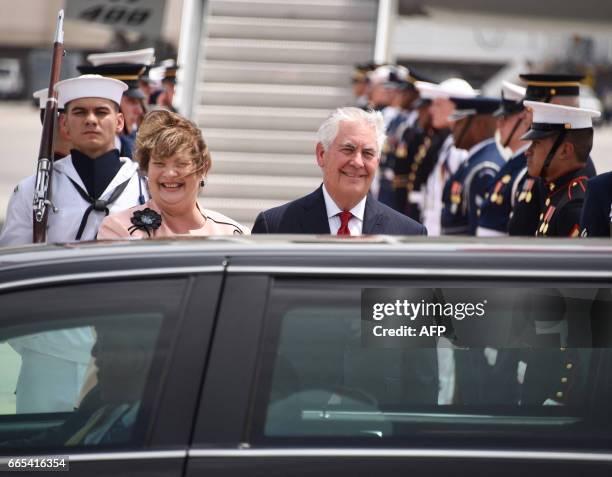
[[61, 141], [464, 192], [423, 143], [360, 83], [562, 138], [596, 218], [512, 124], [560, 89], [448, 157], [394, 149], [93, 180], [87, 184], [164, 98], [129, 67]]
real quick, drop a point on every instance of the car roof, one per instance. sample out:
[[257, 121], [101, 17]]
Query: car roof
[[317, 255]]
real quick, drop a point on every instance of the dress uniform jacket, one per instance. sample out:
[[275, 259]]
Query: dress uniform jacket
[[596, 218], [465, 190], [560, 213], [413, 169], [54, 363], [524, 217], [497, 206], [404, 121], [524, 220], [120, 225], [126, 142], [405, 154]]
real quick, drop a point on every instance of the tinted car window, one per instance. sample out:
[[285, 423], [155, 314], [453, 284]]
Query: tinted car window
[[535, 364], [82, 363]]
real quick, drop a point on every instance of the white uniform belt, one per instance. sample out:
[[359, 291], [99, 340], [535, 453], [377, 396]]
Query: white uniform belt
[[415, 197]]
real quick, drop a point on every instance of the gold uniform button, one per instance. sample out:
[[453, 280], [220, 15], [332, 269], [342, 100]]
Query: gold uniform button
[[569, 366], [541, 216], [562, 349], [547, 203], [564, 380], [559, 394]]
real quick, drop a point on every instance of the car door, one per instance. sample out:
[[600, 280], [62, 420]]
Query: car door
[[102, 375], [293, 388]]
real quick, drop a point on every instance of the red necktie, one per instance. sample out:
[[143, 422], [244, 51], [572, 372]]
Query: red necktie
[[345, 216]]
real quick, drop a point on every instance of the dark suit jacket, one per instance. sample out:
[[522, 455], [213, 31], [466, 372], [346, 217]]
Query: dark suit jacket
[[307, 215]]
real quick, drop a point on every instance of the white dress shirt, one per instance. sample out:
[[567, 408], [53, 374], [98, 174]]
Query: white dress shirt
[[355, 224]]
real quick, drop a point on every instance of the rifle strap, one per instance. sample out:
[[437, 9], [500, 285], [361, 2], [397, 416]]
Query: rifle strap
[[96, 204]]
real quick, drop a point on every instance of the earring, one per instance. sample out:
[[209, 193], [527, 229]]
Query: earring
[[203, 182]]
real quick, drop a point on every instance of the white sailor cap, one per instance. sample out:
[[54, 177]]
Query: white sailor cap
[[452, 87], [41, 95], [89, 86], [549, 119], [145, 56]]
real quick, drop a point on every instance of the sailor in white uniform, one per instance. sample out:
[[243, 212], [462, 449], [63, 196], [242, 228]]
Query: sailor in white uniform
[[93, 180], [87, 185]]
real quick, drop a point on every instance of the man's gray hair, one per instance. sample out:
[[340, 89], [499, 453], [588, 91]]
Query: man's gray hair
[[329, 129]]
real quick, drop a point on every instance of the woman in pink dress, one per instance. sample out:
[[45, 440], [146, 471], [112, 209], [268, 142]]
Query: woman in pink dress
[[173, 155]]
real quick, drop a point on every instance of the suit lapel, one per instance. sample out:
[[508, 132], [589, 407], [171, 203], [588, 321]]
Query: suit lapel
[[315, 214], [372, 217]]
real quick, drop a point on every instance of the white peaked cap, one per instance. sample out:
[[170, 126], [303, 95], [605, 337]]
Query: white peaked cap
[[89, 86], [455, 87], [513, 92], [570, 117], [145, 56], [427, 90]]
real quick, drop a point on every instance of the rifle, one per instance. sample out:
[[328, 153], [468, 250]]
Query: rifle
[[44, 168]]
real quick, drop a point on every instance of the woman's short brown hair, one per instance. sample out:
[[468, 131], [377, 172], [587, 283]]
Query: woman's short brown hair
[[163, 133]]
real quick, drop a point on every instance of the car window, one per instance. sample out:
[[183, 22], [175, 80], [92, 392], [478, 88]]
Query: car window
[[82, 364], [534, 362]]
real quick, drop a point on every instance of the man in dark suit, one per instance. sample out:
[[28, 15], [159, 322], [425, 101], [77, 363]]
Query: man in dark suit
[[348, 152]]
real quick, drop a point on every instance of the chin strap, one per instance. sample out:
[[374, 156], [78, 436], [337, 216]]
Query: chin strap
[[552, 152], [516, 125], [464, 130]]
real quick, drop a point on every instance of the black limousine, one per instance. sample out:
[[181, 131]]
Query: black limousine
[[261, 356]]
